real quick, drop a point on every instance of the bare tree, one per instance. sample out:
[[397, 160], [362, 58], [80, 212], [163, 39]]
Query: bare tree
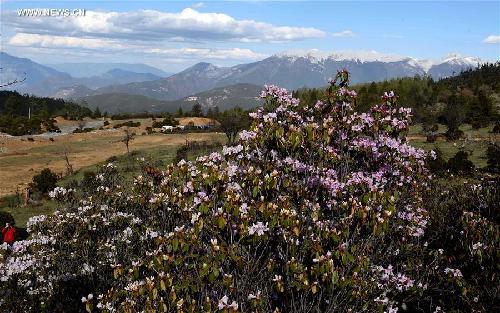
[[69, 166], [129, 136]]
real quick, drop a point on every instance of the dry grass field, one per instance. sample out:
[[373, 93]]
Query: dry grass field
[[21, 159]]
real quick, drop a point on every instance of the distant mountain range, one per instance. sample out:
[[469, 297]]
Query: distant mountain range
[[43, 80], [245, 96], [213, 84], [96, 69], [289, 71], [40, 80]]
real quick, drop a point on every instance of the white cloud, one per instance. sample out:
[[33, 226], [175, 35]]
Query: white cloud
[[145, 25], [48, 41], [492, 39], [202, 53], [344, 33], [198, 5], [102, 45]]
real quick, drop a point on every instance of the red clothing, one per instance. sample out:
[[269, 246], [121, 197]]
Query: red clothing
[[9, 234]]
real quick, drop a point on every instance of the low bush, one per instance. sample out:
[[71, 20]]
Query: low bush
[[460, 163], [493, 157], [454, 134], [83, 130], [128, 124], [45, 181], [6, 217], [169, 120]]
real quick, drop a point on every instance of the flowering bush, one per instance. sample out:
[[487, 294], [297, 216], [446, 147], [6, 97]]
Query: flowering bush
[[464, 235], [315, 208]]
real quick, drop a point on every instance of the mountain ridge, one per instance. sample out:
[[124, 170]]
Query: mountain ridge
[[291, 70]]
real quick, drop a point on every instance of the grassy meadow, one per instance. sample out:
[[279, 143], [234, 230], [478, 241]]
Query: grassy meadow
[[475, 142]]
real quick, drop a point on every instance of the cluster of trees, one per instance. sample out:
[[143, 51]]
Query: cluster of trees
[[25, 114], [466, 98], [168, 120], [196, 111]]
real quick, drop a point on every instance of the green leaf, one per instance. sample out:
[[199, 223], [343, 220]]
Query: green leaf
[[335, 277], [255, 191], [221, 222]]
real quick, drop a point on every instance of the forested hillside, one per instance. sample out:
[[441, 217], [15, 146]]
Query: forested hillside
[[470, 97], [16, 108]]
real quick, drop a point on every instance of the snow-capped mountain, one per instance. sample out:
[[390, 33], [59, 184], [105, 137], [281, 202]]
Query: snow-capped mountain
[[292, 70], [452, 65]]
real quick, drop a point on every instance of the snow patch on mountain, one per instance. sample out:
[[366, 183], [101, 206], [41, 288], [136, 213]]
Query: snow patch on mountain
[[316, 56]]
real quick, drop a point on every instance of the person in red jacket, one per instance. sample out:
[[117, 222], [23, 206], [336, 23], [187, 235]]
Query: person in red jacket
[[9, 233]]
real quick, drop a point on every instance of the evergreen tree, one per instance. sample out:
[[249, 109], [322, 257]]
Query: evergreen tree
[[179, 112], [210, 113], [97, 113], [196, 110]]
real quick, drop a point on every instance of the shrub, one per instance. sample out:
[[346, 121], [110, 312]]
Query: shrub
[[493, 155], [128, 124], [112, 159], [83, 130], [316, 207], [181, 153], [460, 163], [88, 182], [169, 120], [6, 217], [464, 232], [45, 181], [496, 128], [436, 163], [431, 138], [454, 134]]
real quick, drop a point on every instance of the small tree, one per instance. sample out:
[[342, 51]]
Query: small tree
[[210, 113], [97, 113], [436, 164], [45, 181], [493, 155], [453, 117], [232, 121], [460, 163], [129, 136], [179, 112], [197, 110]]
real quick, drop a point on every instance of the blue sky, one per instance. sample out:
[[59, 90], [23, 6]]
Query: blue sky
[[174, 35]]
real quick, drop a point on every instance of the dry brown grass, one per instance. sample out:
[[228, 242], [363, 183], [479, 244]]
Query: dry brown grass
[[197, 121], [20, 159]]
